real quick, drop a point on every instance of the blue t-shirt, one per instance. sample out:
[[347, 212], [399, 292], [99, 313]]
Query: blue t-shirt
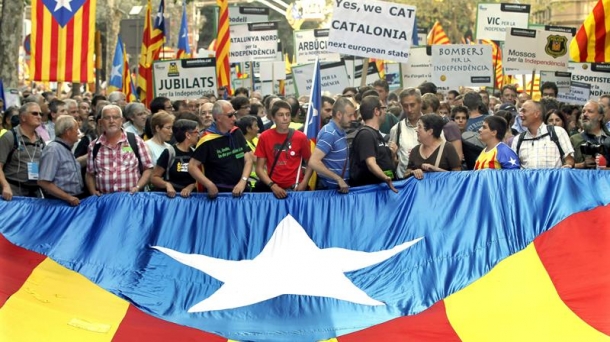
[[331, 140], [473, 124]]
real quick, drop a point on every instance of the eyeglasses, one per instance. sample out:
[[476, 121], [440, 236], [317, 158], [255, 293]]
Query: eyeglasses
[[110, 118], [230, 115], [36, 113]]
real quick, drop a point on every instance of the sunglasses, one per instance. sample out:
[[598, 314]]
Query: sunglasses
[[230, 115], [36, 113]]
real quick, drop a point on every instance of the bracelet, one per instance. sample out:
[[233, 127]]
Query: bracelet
[[270, 184]]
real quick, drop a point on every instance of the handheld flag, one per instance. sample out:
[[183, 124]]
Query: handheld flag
[[223, 46], [62, 41], [496, 54], [312, 121], [437, 35], [129, 88], [153, 39], [414, 36], [184, 49], [118, 65], [592, 40]]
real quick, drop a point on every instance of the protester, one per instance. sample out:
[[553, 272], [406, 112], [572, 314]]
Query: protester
[[496, 155]]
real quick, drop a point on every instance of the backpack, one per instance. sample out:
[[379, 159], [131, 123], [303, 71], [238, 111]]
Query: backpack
[[17, 141], [131, 138], [472, 148], [171, 158], [551, 133]]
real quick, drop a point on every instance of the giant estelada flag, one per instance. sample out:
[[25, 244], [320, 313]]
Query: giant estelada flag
[[62, 40], [458, 256]]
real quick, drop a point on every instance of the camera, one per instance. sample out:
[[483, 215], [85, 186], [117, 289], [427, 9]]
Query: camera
[[592, 149]]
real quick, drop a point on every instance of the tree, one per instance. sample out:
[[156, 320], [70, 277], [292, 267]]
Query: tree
[[10, 40]]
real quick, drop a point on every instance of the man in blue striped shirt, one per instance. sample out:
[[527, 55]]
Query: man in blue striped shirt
[[329, 159]]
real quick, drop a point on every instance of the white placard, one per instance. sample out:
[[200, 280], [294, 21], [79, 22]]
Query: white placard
[[333, 77], [248, 14], [184, 79], [253, 42], [289, 87], [418, 69], [375, 29], [371, 76], [462, 65], [11, 98], [560, 78], [273, 71], [536, 49], [311, 43], [579, 94], [493, 19], [392, 76], [422, 36], [595, 74]]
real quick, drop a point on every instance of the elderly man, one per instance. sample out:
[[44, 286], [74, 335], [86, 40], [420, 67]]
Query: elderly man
[[403, 134], [72, 108], [222, 162], [371, 159], [117, 160], [594, 133], [330, 157], [541, 146], [20, 151], [118, 98], [136, 114], [60, 173]]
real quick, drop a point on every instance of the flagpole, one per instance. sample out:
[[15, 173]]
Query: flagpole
[[532, 85], [310, 109]]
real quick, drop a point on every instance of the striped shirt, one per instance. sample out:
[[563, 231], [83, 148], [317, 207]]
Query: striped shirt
[[58, 166], [331, 140]]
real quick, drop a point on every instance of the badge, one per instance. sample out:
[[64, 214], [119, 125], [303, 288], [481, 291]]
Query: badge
[[33, 171]]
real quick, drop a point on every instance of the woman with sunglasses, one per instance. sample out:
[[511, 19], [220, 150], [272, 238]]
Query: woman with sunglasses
[[172, 169]]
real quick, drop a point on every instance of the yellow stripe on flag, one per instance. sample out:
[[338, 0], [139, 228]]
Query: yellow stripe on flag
[[62, 47], [78, 45], [516, 301], [46, 47], [56, 304]]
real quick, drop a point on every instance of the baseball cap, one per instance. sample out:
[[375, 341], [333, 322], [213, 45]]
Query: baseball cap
[[509, 107]]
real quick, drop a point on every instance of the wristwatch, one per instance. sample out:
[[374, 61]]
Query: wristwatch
[[270, 184], [245, 179]]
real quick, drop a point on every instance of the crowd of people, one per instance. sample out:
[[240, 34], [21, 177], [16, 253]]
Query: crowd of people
[[71, 148]]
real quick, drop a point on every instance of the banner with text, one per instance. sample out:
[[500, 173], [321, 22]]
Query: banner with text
[[254, 42], [560, 78], [247, 14], [527, 49], [595, 74], [184, 79], [333, 77], [372, 74], [462, 65], [418, 69], [578, 94], [311, 43], [494, 19], [374, 29]]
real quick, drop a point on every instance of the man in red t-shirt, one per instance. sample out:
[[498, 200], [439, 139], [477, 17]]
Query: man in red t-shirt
[[290, 147]]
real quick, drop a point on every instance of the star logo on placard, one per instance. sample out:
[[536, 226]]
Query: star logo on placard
[[289, 264]]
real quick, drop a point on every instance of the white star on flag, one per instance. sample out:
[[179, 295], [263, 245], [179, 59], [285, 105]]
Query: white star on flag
[[290, 263], [512, 161], [116, 71], [63, 4]]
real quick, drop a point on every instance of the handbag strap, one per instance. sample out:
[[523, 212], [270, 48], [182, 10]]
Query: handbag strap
[[277, 154], [440, 153]]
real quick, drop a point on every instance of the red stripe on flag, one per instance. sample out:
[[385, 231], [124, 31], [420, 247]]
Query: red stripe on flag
[[69, 50], [600, 32], [582, 41], [39, 38], [53, 54], [575, 254], [84, 50], [138, 326], [16, 265], [429, 325]]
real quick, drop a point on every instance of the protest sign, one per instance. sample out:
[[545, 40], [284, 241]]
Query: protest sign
[[374, 29], [578, 94], [462, 65], [333, 77], [272, 71], [184, 79], [248, 14], [527, 49], [595, 74], [311, 43], [560, 78], [253, 42], [493, 19]]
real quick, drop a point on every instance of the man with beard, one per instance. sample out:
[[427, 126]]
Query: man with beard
[[594, 133], [330, 157]]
